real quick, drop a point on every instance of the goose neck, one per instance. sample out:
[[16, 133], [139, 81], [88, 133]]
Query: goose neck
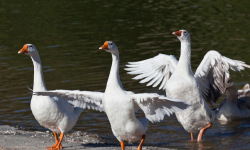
[[114, 81], [184, 62], [38, 84]]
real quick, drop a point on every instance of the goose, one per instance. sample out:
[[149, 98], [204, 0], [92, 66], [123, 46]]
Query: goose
[[120, 105], [53, 113], [178, 80], [233, 108]]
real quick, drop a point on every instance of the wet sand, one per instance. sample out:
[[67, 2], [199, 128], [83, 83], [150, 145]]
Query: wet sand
[[14, 139]]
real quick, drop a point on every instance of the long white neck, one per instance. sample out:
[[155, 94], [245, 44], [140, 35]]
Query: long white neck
[[38, 84], [184, 64], [114, 81]]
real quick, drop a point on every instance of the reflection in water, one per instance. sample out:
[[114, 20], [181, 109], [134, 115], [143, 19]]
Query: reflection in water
[[68, 34]]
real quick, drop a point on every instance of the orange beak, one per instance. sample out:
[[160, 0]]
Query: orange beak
[[105, 46], [24, 49], [177, 33]]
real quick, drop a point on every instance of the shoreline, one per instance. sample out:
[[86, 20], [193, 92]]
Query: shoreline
[[12, 138]]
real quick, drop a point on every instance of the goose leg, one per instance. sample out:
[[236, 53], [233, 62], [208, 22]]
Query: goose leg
[[58, 146], [56, 139], [202, 131], [122, 145], [192, 136], [142, 140]]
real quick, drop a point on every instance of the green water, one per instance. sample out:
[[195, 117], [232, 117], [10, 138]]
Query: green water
[[68, 34]]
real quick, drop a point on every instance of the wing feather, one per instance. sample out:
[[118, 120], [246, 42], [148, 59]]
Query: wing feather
[[155, 78], [156, 70], [157, 106], [213, 72], [82, 99]]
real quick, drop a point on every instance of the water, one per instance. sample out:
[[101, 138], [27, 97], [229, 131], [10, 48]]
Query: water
[[68, 34]]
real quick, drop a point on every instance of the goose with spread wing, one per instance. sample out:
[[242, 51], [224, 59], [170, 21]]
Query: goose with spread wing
[[234, 107], [177, 78], [54, 113], [120, 105]]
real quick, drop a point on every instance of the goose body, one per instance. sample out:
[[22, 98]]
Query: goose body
[[120, 109], [199, 115], [57, 115], [120, 105], [233, 108], [183, 85], [177, 78], [51, 112]]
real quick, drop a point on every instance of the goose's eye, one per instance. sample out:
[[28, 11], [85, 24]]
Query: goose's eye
[[111, 43], [185, 32], [30, 46]]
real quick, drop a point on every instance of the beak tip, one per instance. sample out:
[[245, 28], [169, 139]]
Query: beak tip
[[100, 47]]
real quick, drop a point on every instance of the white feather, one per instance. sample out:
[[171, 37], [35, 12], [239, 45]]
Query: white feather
[[155, 106], [155, 69], [82, 99]]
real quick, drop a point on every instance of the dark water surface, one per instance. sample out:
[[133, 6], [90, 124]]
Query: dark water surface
[[68, 34]]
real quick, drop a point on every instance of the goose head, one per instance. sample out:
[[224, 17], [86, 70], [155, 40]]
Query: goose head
[[182, 35], [230, 85], [109, 46], [28, 49]]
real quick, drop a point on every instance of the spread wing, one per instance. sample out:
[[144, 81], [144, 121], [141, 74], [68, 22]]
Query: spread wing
[[156, 70], [244, 92], [82, 99], [212, 73], [157, 106]]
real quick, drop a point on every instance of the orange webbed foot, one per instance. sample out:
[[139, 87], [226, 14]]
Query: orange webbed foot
[[56, 147]]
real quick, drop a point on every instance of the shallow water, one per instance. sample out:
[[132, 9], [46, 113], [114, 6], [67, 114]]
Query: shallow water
[[68, 35]]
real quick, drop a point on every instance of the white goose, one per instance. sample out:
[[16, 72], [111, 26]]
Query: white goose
[[53, 113], [233, 108], [179, 81], [120, 105]]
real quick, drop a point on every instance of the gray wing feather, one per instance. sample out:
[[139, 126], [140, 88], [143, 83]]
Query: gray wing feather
[[212, 73]]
